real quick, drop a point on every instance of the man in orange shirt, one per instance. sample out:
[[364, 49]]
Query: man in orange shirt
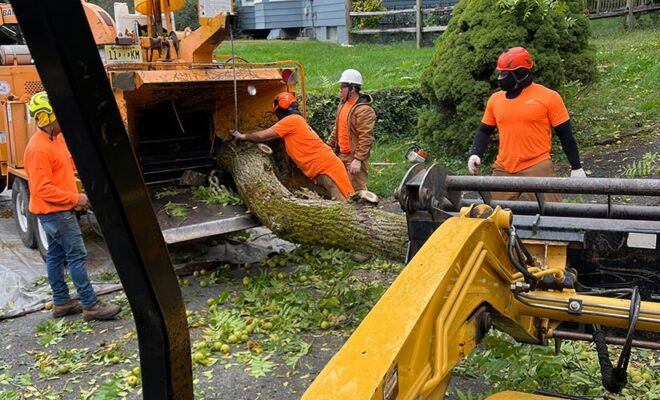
[[353, 133], [53, 197], [524, 114], [314, 158]]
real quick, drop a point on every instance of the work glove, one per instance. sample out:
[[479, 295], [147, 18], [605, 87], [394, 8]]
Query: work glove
[[578, 173], [355, 166], [236, 135], [473, 162]]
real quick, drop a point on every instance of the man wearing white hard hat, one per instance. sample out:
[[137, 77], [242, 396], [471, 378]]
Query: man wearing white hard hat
[[353, 133]]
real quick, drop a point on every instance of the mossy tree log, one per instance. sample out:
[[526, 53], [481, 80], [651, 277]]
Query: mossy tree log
[[338, 224]]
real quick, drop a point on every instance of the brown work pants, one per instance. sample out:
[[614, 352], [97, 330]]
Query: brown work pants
[[330, 186], [359, 180], [544, 168]]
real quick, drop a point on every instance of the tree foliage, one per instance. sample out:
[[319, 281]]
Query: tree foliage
[[461, 75]]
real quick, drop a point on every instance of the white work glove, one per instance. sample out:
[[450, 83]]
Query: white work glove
[[473, 162], [237, 135], [355, 166], [578, 173]]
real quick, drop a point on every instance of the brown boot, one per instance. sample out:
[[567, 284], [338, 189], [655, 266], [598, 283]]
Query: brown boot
[[68, 308], [101, 311]]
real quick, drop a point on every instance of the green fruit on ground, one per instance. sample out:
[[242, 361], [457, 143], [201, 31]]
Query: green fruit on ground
[[217, 346], [196, 274], [302, 278], [647, 377], [244, 337], [281, 275], [203, 272], [210, 302], [267, 326], [249, 329], [63, 369], [325, 325], [284, 263], [225, 348], [132, 380], [136, 371], [198, 356], [247, 265], [203, 283], [636, 378], [115, 360], [48, 305], [246, 280], [232, 339]]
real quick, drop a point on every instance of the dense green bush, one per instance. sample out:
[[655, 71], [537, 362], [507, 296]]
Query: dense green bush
[[398, 110], [365, 6], [461, 75]]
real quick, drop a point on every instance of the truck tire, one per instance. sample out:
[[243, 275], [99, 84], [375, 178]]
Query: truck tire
[[20, 199], [40, 237]]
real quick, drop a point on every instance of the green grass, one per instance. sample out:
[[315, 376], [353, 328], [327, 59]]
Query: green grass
[[382, 66], [626, 95]]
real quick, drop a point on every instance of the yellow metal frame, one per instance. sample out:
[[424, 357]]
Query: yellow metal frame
[[429, 318]]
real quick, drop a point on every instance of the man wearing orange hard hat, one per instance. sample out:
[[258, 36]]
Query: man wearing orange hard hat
[[525, 114], [314, 158]]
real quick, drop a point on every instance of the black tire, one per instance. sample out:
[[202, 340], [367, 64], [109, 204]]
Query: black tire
[[40, 238], [20, 200]]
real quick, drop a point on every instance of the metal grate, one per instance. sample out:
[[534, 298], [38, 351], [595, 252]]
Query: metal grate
[[32, 87]]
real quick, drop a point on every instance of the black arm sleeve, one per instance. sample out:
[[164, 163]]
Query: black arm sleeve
[[565, 133], [481, 139]]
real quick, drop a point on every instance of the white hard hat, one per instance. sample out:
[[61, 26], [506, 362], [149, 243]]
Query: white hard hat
[[351, 76]]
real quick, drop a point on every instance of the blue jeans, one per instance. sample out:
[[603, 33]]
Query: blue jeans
[[66, 248]]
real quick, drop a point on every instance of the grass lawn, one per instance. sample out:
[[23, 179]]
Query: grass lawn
[[382, 66]]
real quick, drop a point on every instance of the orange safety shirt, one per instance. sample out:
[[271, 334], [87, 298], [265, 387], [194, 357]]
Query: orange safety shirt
[[524, 125], [343, 138], [310, 154], [50, 172]]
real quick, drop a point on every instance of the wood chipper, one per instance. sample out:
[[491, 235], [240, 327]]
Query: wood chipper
[[176, 101]]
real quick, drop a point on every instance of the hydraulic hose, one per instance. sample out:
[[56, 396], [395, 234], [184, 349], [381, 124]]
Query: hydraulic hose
[[516, 255], [614, 379]]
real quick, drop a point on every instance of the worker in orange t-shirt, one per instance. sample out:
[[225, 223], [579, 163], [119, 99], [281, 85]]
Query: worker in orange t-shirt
[[53, 197], [524, 114], [314, 158]]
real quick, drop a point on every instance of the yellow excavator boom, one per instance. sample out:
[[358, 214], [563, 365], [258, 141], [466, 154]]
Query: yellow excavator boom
[[443, 302]]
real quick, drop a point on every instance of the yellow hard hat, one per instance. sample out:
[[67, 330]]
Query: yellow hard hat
[[40, 109]]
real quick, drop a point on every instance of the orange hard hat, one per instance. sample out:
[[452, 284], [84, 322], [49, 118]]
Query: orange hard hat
[[514, 58], [283, 101]]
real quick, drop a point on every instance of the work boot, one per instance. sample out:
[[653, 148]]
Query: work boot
[[101, 311], [69, 308]]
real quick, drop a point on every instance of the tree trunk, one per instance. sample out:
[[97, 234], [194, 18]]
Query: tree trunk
[[338, 224]]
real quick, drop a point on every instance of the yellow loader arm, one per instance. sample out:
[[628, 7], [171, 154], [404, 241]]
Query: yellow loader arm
[[440, 306]]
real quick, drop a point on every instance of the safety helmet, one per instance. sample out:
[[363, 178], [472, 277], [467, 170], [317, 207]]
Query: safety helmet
[[351, 76], [514, 58], [39, 108], [283, 101]]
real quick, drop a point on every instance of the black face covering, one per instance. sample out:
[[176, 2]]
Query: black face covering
[[513, 82]]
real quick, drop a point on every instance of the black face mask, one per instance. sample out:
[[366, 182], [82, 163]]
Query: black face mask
[[513, 82]]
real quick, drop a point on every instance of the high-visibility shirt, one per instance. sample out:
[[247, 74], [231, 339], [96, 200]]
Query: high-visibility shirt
[[525, 125], [343, 136], [50, 172], [310, 154]]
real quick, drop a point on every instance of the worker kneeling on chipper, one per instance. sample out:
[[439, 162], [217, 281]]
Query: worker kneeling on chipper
[[314, 158]]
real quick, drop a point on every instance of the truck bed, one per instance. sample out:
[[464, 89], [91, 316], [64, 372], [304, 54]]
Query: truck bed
[[201, 220]]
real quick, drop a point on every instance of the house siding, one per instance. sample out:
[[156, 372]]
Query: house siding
[[278, 14], [246, 17]]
